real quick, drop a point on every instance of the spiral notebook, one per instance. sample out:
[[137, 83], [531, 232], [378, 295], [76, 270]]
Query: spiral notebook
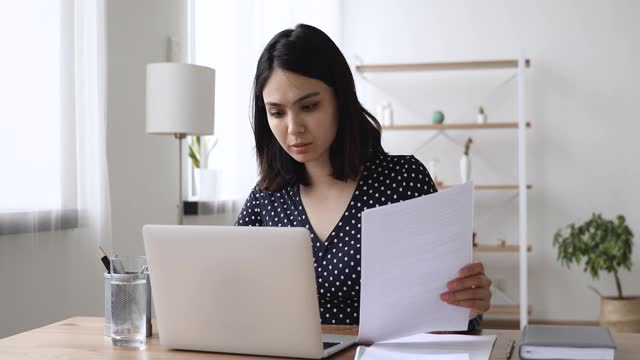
[[430, 347]]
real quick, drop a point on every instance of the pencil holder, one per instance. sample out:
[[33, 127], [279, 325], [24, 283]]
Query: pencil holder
[[107, 305], [149, 328]]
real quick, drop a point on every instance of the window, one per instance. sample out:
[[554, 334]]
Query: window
[[37, 144], [229, 37]]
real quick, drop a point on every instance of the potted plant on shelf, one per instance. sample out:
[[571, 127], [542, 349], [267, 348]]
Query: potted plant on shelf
[[604, 245], [482, 117], [204, 182]]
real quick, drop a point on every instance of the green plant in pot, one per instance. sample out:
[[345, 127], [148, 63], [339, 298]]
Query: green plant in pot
[[605, 246], [199, 152]]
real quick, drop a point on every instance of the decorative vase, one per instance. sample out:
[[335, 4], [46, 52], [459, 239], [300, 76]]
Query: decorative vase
[[465, 168], [622, 315], [209, 188], [437, 117], [482, 118], [195, 182], [384, 113]]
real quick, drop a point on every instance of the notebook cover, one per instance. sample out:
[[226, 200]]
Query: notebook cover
[[567, 336]]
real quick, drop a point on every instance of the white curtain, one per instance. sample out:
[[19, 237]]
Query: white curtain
[[229, 37], [90, 121], [49, 262]]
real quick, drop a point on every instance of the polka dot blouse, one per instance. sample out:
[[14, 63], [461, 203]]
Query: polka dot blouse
[[386, 179]]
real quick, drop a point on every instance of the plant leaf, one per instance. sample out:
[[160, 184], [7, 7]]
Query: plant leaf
[[604, 245]]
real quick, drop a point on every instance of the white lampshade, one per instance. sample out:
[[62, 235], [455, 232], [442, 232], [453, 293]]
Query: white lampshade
[[180, 99]]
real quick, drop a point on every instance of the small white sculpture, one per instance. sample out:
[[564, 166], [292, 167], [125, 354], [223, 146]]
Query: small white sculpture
[[384, 113]]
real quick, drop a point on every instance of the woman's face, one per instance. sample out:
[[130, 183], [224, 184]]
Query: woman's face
[[302, 114]]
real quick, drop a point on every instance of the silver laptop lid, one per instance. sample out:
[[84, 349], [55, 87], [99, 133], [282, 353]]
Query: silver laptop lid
[[232, 289]]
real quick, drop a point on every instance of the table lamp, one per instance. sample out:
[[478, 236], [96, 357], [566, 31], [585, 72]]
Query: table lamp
[[180, 102]]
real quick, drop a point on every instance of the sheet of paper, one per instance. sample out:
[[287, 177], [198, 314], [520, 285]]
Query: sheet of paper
[[410, 250], [370, 353], [477, 346]]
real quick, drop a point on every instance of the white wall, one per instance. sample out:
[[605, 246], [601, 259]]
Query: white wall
[[47, 277], [580, 99], [142, 168]]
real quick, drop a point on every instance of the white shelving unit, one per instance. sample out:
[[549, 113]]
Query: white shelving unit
[[521, 125]]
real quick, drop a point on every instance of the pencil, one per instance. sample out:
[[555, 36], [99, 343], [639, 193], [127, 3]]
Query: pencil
[[511, 348], [105, 259]]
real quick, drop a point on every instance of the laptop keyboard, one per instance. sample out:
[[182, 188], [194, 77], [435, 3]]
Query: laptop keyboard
[[326, 344]]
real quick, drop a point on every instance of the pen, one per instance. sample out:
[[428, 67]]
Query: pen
[[117, 265], [105, 260], [510, 351], [144, 269]]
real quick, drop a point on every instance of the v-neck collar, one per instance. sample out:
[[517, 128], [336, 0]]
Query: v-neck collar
[[325, 242]]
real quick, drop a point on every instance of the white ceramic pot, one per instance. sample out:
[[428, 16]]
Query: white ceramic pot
[[465, 169], [209, 188], [195, 182], [384, 114], [482, 118]]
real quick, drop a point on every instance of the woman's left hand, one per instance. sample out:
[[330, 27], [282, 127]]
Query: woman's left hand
[[472, 290]]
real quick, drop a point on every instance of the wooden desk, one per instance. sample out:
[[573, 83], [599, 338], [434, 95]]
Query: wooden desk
[[81, 338]]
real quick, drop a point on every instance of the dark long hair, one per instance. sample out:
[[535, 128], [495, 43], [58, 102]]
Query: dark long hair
[[307, 51]]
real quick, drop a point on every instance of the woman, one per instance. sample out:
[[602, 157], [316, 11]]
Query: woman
[[322, 163]]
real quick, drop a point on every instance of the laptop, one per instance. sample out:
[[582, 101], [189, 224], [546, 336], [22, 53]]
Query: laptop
[[243, 290]]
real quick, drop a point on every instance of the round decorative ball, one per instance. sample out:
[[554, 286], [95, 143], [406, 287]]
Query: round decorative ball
[[437, 117]]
